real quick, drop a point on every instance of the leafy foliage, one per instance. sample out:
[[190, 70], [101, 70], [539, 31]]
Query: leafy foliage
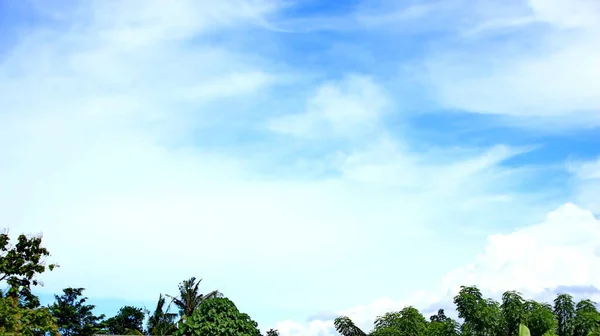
[[441, 325], [486, 317], [482, 317], [513, 312], [407, 322], [586, 318], [19, 266], [217, 317], [564, 310], [73, 316], [272, 332], [17, 320], [539, 318], [128, 321], [346, 327]]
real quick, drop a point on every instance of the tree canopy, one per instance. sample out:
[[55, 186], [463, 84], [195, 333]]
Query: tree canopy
[[128, 321], [481, 316], [218, 317], [74, 317], [20, 264]]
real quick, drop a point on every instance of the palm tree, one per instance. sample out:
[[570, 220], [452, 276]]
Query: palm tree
[[189, 297], [161, 322]]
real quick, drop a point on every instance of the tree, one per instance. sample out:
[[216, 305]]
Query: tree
[[346, 327], [586, 318], [441, 325], [217, 317], [128, 321], [273, 332], [161, 322], [493, 321], [73, 316], [539, 318], [19, 266], [481, 316], [512, 312], [439, 317], [407, 322], [564, 310], [190, 297], [17, 320]]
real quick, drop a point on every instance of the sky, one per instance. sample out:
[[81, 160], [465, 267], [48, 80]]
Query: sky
[[308, 159]]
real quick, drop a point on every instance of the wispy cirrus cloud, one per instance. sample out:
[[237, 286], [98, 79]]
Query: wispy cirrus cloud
[[542, 62], [348, 108]]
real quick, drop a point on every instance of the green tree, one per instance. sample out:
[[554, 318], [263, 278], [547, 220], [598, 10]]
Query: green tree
[[161, 322], [586, 318], [346, 327], [20, 265], [73, 316], [190, 298], [17, 320], [564, 310], [494, 321], [407, 322], [128, 321], [539, 318], [513, 312], [217, 317], [273, 332], [441, 325], [481, 317], [439, 317]]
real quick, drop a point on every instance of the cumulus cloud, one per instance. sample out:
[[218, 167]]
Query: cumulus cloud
[[561, 251]]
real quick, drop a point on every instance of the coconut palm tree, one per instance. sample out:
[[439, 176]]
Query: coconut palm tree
[[161, 322], [189, 297]]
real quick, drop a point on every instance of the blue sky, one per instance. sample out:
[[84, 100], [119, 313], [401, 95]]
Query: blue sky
[[309, 158]]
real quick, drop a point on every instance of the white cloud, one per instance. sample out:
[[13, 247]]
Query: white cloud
[[549, 64], [350, 107], [560, 253], [90, 127], [586, 181]]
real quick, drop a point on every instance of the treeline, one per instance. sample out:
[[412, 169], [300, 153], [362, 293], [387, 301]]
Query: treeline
[[70, 315], [513, 316], [192, 313]]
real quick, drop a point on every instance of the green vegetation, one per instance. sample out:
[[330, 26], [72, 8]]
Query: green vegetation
[[514, 316], [215, 317], [212, 314]]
